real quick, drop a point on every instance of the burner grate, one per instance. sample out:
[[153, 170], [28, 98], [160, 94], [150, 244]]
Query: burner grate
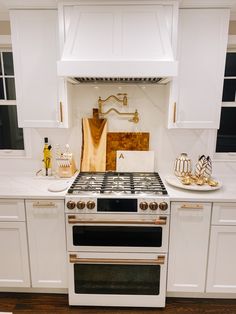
[[118, 183]]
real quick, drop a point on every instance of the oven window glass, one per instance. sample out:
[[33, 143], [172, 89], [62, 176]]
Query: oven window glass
[[117, 279], [117, 236]]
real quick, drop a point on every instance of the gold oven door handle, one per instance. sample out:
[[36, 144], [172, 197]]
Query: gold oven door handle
[[162, 220], [160, 260]]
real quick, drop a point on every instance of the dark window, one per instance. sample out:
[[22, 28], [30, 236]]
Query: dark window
[[11, 136], [230, 65], [226, 135], [229, 90], [8, 63]]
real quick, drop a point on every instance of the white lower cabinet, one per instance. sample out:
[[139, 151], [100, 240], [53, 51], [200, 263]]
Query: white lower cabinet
[[188, 247], [47, 243], [14, 261], [221, 275]]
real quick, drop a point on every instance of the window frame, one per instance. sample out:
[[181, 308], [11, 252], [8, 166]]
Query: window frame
[[14, 153]]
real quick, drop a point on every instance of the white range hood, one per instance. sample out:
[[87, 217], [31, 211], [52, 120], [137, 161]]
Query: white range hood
[[123, 41]]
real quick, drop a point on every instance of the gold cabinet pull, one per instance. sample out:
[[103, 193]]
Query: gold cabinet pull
[[160, 260], [161, 221], [61, 112], [192, 206], [174, 113], [44, 205]]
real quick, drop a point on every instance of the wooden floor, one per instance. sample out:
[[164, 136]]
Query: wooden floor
[[25, 303]]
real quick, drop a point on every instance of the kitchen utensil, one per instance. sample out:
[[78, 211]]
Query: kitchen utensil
[[135, 141], [134, 161], [94, 144]]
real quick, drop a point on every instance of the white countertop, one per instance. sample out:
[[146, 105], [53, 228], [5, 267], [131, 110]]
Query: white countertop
[[226, 193], [31, 186]]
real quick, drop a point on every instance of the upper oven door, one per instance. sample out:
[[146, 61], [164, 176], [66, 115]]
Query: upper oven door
[[149, 235]]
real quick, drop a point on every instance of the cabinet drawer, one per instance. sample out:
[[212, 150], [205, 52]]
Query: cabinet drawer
[[224, 214], [12, 210]]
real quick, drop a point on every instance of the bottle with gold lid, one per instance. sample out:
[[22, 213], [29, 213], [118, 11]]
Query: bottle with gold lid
[[47, 158]]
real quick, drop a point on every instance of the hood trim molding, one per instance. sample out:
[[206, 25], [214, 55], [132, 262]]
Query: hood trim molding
[[121, 68]]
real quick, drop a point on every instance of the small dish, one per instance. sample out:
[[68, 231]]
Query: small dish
[[173, 180]]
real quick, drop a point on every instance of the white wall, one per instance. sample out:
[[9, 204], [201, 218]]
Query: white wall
[[152, 104]]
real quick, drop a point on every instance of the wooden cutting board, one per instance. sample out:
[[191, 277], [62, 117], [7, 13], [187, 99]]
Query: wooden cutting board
[[93, 157], [124, 141]]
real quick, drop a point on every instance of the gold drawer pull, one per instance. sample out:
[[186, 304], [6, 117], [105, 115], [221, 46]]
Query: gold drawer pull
[[192, 206], [44, 205], [160, 260]]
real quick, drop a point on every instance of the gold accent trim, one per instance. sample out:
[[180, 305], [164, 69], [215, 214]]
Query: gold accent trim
[[44, 205], [161, 221], [192, 206], [174, 113], [61, 112], [124, 101], [160, 260]]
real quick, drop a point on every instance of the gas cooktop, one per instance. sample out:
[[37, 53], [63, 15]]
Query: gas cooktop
[[117, 183]]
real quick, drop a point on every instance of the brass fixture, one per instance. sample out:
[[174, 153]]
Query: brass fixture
[[124, 101]]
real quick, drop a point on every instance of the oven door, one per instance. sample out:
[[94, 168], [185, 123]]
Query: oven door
[[102, 235], [117, 279]]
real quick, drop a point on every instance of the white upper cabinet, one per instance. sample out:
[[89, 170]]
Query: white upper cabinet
[[36, 51], [196, 94]]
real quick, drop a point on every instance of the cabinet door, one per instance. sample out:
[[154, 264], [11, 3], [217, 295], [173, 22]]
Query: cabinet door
[[47, 243], [35, 50], [189, 235], [12, 210], [14, 262], [196, 93], [221, 275]]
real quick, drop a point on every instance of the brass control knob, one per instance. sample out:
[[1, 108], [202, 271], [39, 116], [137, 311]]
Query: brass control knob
[[80, 205], [163, 206], [70, 205], [143, 205], [153, 205], [90, 204]]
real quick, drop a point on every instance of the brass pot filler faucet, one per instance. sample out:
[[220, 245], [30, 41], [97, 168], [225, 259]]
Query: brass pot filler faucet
[[124, 101]]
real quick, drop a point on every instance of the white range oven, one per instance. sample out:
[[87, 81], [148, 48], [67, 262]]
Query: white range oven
[[117, 227]]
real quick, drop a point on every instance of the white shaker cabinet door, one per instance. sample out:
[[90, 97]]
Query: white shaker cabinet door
[[14, 261], [196, 94], [35, 47], [47, 243], [222, 260], [188, 247]]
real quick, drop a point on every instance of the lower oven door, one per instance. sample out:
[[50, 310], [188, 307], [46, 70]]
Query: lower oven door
[[117, 236], [117, 279]]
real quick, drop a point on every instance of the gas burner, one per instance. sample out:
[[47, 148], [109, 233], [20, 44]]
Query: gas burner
[[118, 182]]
